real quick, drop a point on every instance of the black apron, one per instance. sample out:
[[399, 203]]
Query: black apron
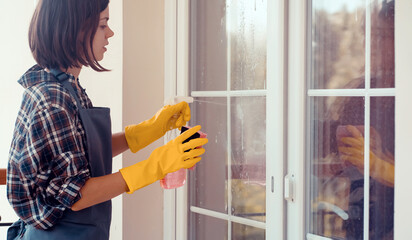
[[93, 222]]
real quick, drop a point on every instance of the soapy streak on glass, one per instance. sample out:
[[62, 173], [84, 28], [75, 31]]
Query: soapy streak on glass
[[239, 169], [246, 32]]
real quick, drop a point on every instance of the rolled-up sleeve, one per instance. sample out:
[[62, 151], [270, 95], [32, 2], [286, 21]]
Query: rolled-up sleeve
[[52, 166]]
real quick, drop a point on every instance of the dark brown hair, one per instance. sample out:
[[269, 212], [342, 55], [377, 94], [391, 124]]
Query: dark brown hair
[[62, 31]]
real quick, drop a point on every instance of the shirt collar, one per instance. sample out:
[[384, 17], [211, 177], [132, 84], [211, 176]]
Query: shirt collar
[[37, 74]]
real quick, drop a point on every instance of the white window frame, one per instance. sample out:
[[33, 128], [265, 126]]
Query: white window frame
[[296, 70], [278, 225], [403, 119], [176, 83], [296, 116]]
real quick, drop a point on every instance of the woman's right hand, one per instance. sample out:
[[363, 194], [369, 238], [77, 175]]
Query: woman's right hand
[[166, 159]]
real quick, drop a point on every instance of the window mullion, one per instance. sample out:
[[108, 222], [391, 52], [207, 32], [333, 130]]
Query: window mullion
[[367, 119]]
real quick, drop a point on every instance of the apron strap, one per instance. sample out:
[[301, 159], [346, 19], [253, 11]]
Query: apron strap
[[63, 78]]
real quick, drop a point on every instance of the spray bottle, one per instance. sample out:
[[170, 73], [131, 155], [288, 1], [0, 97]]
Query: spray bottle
[[178, 178]]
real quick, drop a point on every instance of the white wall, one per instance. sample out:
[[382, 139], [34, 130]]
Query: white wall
[[142, 97], [15, 59]]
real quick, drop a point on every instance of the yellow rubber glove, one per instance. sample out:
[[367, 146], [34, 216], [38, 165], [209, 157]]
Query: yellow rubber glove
[[168, 118], [380, 163], [163, 160]]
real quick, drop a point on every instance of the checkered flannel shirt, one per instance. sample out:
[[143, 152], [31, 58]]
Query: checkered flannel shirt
[[47, 160]]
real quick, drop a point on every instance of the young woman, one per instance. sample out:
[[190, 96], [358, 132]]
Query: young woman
[[60, 179]]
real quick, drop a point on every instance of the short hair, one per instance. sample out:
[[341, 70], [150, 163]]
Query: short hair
[[61, 33]]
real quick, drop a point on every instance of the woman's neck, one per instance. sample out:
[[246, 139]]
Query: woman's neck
[[74, 71]]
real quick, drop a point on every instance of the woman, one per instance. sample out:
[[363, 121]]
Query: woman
[[60, 179]]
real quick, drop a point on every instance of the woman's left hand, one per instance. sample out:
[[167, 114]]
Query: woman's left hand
[[168, 118]]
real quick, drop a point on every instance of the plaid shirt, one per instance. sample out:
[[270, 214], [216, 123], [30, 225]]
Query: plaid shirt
[[47, 160]]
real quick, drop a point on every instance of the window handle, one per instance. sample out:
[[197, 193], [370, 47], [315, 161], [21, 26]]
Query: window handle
[[289, 187]]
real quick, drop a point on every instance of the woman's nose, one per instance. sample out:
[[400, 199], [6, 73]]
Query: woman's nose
[[110, 33]]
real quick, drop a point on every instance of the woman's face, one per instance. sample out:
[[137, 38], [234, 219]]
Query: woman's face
[[103, 33]]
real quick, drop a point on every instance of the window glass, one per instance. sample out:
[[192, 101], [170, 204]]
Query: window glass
[[382, 44], [338, 44], [206, 228], [247, 31], [227, 66], [334, 182], [382, 159], [339, 204], [244, 232], [208, 45], [248, 134], [208, 181]]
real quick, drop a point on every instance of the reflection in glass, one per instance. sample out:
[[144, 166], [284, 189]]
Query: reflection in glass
[[244, 232], [337, 130], [207, 182], [208, 44], [334, 183], [205, 228], [382, 172], [248, 134], [382, 44], [247, 30], [337, 48]]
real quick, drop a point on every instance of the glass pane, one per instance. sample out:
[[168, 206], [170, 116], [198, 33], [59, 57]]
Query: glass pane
[[247, 29], [248, 134], [336, 134], [337, 49], [382, 44], [335, 206], [382, 159], [244, 232], [207, 182], [202, 227], [228, 47], [208, 58]]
